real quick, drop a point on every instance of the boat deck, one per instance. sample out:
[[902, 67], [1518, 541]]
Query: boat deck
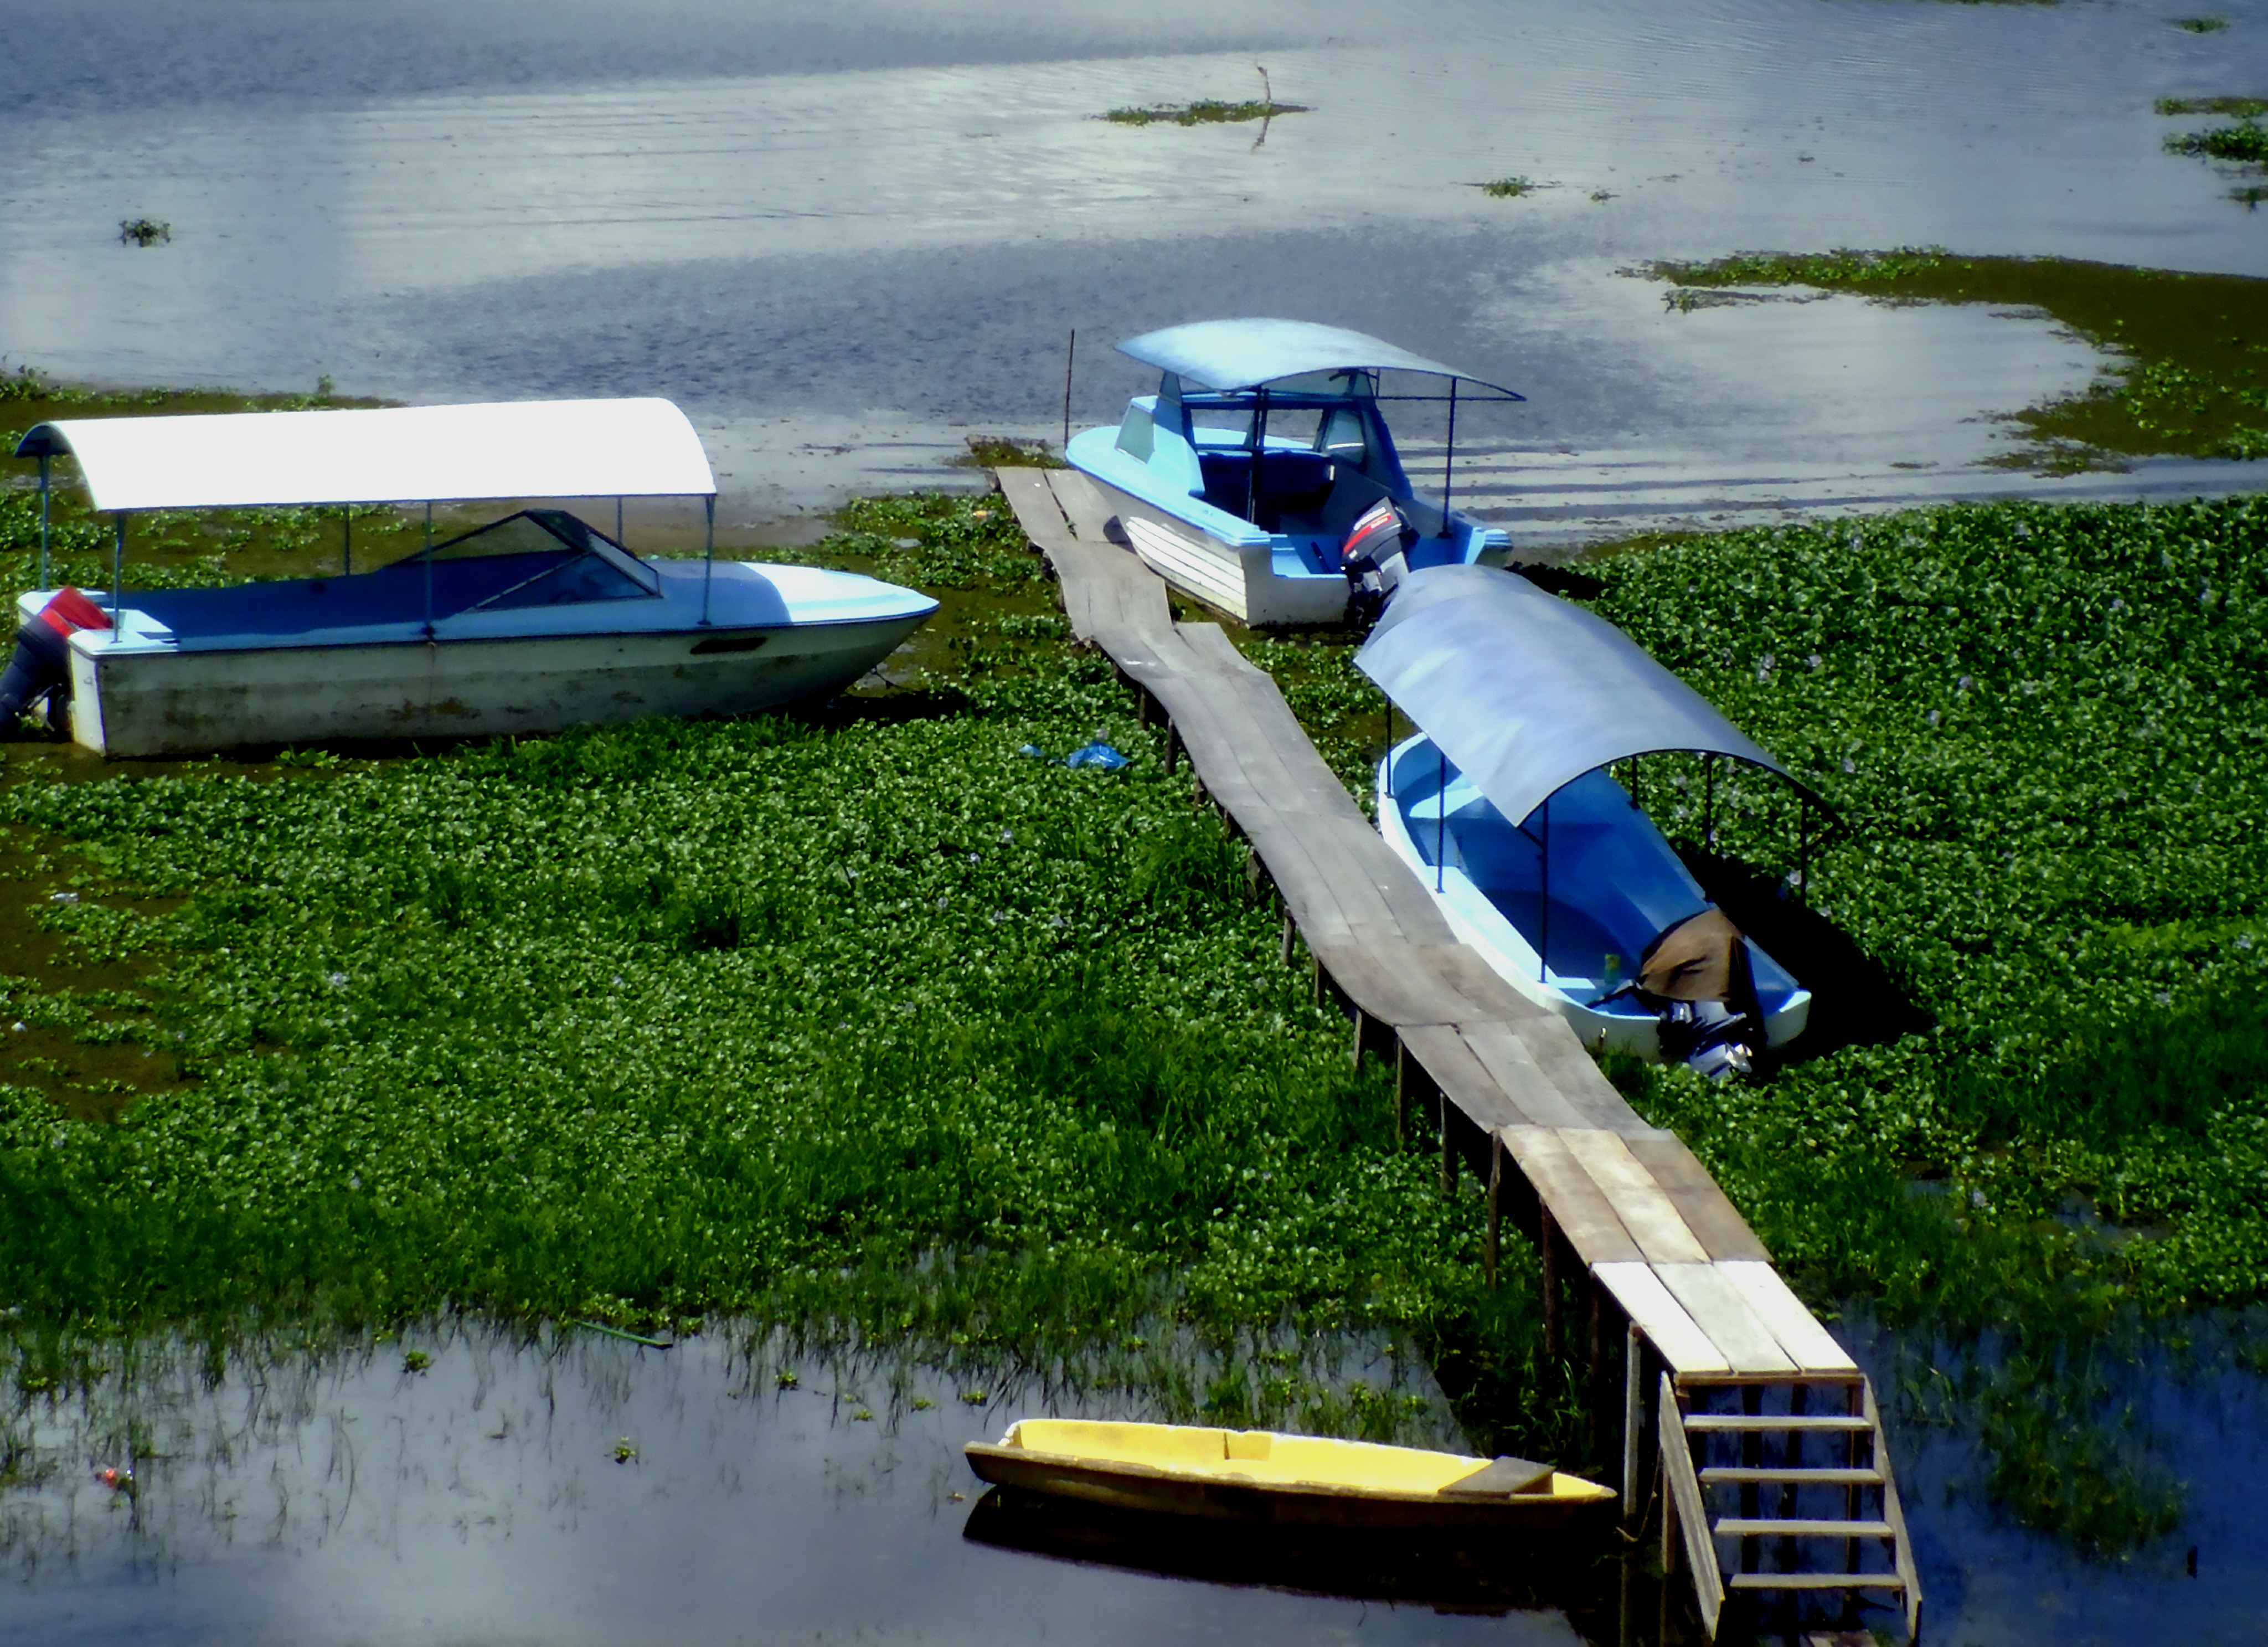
[[1515, 1094]]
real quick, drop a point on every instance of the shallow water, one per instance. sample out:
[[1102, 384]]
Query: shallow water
[[349, 1500], [846, 235], [482, 1500]]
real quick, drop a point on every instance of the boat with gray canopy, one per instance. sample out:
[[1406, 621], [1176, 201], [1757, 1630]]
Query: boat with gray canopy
[[529, 624], [1260, 478], [1503, 802]]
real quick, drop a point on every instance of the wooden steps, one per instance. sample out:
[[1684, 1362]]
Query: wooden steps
[[1516, 1095], [1800, 1492]]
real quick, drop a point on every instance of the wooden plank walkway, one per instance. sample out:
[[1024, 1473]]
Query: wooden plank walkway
[[1628, 1201], [1690, 1287]]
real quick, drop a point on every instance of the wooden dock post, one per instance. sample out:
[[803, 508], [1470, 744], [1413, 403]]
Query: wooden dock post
[[1634, 1449], [1547, 1246], [1489, 1248]]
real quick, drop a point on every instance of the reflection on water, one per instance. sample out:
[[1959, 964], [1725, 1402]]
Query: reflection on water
[[600, 1492], [883, 217], [589, 1490]]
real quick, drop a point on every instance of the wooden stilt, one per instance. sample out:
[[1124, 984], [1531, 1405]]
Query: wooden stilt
[[1291, 930], [1449, 1118], [1633, 1425], [1547, 1244], [1492, 1246]]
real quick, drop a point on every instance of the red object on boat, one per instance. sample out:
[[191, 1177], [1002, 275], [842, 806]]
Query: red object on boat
[[70, 612]]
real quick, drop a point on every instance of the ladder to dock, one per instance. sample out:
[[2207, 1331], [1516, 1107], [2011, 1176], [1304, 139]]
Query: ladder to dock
[[1755, 1395], [1782, 1488]]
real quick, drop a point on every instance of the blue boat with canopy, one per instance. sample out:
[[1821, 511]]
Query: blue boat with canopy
[[1263, 459], [1504, 803]]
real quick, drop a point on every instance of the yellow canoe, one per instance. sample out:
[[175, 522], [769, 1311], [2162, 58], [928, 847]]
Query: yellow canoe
[[1257, 1475]]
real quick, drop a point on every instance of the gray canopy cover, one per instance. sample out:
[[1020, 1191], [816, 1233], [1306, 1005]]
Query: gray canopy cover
[[1526, 692]]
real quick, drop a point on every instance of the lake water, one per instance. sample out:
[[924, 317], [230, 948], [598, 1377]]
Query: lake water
[[846, 235], [349, 1503]]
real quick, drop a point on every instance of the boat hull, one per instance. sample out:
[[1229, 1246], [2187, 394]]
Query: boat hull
[[1475, 917], [1239, 580], [141, 703], [1238, 1490]]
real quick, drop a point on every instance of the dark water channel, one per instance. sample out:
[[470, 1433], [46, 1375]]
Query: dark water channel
[[846, 235]]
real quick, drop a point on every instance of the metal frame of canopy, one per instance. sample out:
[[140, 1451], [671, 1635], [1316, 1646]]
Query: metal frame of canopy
[[1442, 642], [1241, 357], [640, 447]]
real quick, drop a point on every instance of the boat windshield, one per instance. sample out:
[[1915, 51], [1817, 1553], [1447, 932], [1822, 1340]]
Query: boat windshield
[[536, 558]]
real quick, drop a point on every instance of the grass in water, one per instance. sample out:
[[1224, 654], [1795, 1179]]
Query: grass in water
[[2193, 379], [2201, 25], [1509, 188]]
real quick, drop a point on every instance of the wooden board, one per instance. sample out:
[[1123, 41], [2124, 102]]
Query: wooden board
[[1738, 1332], [1809, 1344], [1675, 1336], [1692, 1511], [1499, 1051], [1687, 1183], [1651, 1217], [1582, 1211]]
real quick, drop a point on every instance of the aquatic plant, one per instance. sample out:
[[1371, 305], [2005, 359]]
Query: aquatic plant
[[1203, 112], [2246, 142], [143, 232], [2201, 25], [992, 451], [2238, 107], [862, 1026], [1509, 188]]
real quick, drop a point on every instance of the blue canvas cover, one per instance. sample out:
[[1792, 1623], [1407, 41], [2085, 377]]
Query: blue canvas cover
[[1526, 692], [1239, 354]]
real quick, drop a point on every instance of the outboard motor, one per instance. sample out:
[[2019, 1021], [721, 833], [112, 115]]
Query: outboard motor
[[1695, 977], [1376, 557], [41, 666]]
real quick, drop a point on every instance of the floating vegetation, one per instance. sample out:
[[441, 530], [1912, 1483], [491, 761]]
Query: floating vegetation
[[1600, 197], [1203, 111], [143, 232], [1207, 111], [2201, 25], [857, 1025], [2038, 723], [1509, 188], [2236, 107], [2192, 372], [2246, 142]]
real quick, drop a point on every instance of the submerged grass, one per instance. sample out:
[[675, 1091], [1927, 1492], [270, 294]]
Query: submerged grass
[[2193, 374]]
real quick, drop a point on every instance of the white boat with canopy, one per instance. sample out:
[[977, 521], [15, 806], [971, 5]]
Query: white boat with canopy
[[1260, 478], [1503, 803], [531, 623]]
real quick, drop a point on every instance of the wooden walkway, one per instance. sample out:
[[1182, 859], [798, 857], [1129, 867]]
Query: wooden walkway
[[1619, 1208]]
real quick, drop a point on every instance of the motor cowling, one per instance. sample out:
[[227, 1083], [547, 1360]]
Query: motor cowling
[[1376, 557], [41, 666]]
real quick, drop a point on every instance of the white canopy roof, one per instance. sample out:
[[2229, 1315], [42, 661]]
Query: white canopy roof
[[600, 448], [1241, 354], [1526, 692]]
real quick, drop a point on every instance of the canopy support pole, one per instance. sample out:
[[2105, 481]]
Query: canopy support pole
[[117, 570], [1708, 801], [429, 571], [43, 520], [1257, 443], [1441, 817], [618, 524], [1389, 747], [346, 528], [709, 565], [1449, 458], [1543, 904]]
